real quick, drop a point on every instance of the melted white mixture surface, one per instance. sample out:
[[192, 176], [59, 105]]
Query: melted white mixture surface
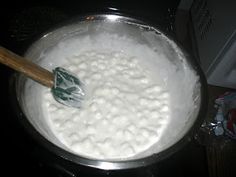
[[140, 98], [124, 112]]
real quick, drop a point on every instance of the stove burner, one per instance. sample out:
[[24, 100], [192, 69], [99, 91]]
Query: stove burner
[[21, 155]]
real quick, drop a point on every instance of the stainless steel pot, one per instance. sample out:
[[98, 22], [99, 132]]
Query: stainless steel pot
[[31, 116]]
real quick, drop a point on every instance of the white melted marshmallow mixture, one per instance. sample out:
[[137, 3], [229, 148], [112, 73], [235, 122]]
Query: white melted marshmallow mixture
[[122, 112], [127, 104]]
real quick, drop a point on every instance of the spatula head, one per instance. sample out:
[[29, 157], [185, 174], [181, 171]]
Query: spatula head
[[67, 89]]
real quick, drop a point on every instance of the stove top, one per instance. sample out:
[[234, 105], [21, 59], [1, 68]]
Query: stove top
[[23, 23]]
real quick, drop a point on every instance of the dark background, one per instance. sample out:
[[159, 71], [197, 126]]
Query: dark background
[[21, 23]]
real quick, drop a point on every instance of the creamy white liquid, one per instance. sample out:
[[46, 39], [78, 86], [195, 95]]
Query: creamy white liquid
[[138, 101]]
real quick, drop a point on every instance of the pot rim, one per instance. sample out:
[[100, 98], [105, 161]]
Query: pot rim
[[109, 164]]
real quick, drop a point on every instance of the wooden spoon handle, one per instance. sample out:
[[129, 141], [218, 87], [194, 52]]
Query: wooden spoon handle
[[26, 67]]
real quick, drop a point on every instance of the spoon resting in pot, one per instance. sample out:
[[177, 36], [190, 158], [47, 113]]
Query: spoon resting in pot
[[65, 87]]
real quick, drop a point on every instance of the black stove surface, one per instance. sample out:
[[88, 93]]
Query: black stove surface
[[21, 23]]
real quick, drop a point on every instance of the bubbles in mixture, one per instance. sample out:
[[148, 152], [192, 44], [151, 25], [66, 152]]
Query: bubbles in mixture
[[123, 114]]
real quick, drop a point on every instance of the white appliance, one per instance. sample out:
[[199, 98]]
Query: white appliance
[[214, 26]]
